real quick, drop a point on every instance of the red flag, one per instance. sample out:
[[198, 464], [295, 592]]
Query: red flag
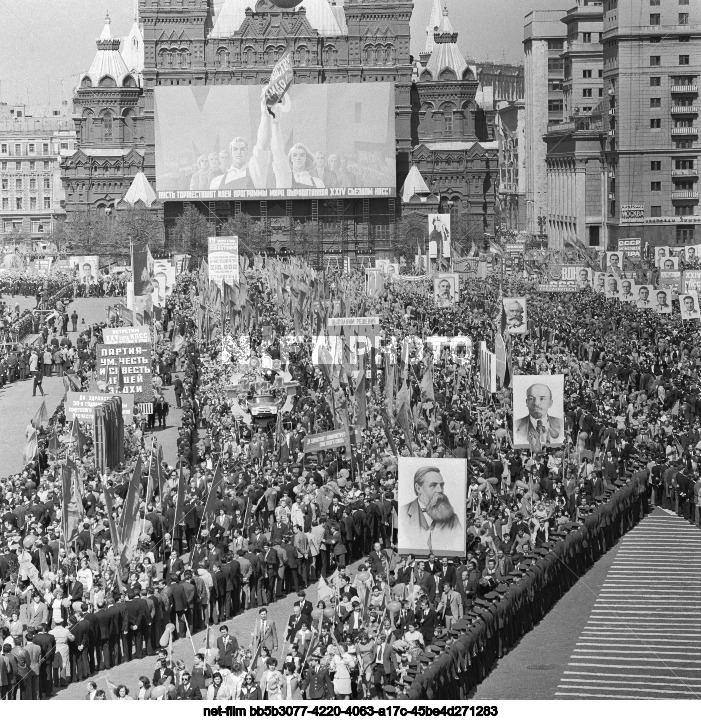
[[130, 525]]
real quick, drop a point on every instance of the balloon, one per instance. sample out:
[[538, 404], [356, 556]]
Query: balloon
[[316, 614], [165, 638], [363, 576], [29, 541], [329, 612], [394, 606]]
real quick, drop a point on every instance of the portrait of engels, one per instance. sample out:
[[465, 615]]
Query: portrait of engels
[[430, 519]]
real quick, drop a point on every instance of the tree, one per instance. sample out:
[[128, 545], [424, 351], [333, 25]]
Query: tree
[[250, 232], [190, 233], [412, 237], [139, 224]]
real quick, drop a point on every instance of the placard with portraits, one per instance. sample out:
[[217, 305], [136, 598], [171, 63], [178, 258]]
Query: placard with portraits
[[599, 282], [660, 253], [446, 289], [689, 305], [612, 286], [432, 506], [614, 261], [538, 415], [663, 301], [626, 290], [644, 296], [516, 318], [671, 262]]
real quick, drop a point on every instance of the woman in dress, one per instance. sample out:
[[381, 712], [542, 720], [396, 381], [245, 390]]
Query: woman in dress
[[61, 657], [340, 667]]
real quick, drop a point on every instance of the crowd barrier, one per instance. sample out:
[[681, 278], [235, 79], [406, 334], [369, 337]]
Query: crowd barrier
[[452, 667]]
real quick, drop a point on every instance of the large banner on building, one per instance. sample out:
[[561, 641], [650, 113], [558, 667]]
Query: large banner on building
[[324, 141], [630, 247], [538, 404], [223, 260], [125, 368], [432, 506]]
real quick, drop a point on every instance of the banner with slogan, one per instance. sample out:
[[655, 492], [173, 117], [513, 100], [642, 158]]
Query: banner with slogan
[[223, 260], [630, 246], [139, 334], [670, 279], [692, 280], [80, 406], [126, 368], [280, 80], [360, 334], [557, 286], [322, 441], [43, 265]]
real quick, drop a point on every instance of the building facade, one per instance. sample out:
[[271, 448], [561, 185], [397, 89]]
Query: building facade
[[32, 143], [544, 42], [440, 126], [510, 135], [652, 68], [575, 155]]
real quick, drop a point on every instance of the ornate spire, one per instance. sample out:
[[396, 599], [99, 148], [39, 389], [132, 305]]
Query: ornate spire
[[446, 54], [433, 23]]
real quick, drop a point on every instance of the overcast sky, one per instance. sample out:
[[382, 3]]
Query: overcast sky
[[47, 44]]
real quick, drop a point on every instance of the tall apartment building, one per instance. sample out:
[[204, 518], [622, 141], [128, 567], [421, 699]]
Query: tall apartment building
[[544, 42], [32, 142], [652, 64], [576, 165]]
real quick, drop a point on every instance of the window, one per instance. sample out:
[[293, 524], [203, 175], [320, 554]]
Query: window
[[601, 73], [47, 203], [47, 183], [18, 183], [655, 39], [554, 106], [448, 123], [683, 19], [654, 3], [18, 203], [32, 183], [685, 233], [683, 38], [656, 185], [64, 146], [30, 149], [683, 59], [685, 210], [655, 19], [5, 203], [586, 73], [554, 85], [33, 203], [3, 148], [555, 44], [555, 65], [5, 184], [683, 2], [655, 123], [586, 92], [601, 92], [656, 165], [655, 81], [656, 211], [45, 148], [655, 102], [47, 165], [683, 144], [586, 37], [655, 61], [684, 164], [3, 165]]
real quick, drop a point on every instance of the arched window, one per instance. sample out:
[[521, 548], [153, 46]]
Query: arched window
[[107, 81], [249, 55], [447, 74], [303, 54], [107, 127], [129, 82], [128, 134], [223, 58], [367, 54], [448, 122], [86, 82]]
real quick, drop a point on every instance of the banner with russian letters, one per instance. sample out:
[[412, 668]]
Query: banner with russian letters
[[139, 334], [125, 368], [323, 441], [80, 406], [223, 260]]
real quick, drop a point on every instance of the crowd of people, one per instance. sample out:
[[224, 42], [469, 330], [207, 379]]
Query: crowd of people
[[244, 516]]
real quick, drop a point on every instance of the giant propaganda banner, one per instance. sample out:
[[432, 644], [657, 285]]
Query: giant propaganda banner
[[321, 141], [223, 260], [126, 368]]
